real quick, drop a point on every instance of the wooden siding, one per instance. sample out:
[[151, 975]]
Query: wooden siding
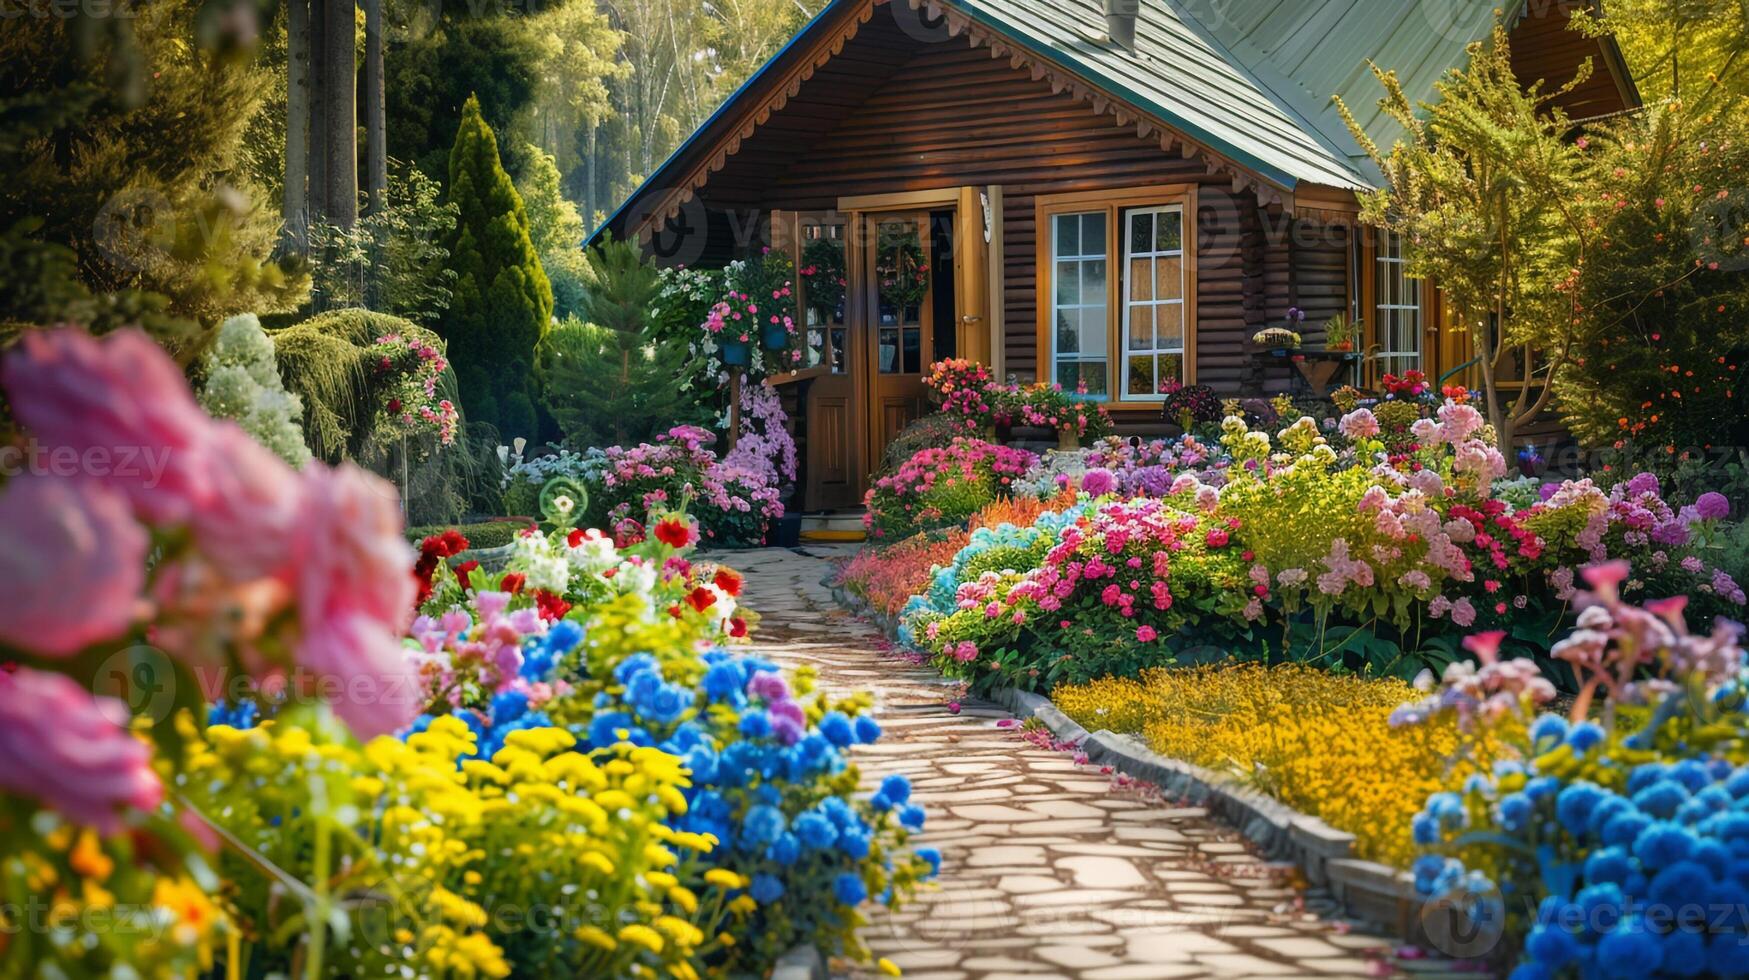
[[1544, 48], [948, 115]]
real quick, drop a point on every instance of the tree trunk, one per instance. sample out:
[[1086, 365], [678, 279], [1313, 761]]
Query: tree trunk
[[317, 125], [589, 180], [340, 97], [295, 236], [376, 149]]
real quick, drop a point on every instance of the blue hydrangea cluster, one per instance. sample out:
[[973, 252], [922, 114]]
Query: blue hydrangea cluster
[[1650, 880]]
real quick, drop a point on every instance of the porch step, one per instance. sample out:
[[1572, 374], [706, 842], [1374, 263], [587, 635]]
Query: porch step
[[838, 526]]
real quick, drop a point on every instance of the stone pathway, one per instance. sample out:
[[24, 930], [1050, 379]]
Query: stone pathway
[[1048, 869]]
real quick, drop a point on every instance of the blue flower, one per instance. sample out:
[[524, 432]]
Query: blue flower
[[1601, 906], [244, 714], [1547, 732], [1623, 830], [1425, 828], [637, 663], [1661, 799], [761, 826], [1692, 774], [1515, 809], [1611, 807], [1542, 786], [1608, 865], [722, 683], [816, 830], [849, 889], [786, 850], [1629, 951], [868, 731], [1663, 844], [1585, 735], [1680, 883], [765, 889], [604, 726], [856, 845], [1427, 869], [933, 856], [756, 724], [837, 729], [1448, 809], [664, 703], [896, 788], [1551, 946], [911, 817], [1574, 804]]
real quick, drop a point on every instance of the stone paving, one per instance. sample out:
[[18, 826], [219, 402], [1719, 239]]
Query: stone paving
[[1049, 869]]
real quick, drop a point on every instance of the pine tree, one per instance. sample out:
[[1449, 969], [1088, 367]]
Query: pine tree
[[502, 301], [579, 366]]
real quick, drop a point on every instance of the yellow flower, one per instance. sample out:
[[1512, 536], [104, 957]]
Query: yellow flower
[[743, 905], [642, 935], [597, 938], [661, 879], [687, 901], [724, 878], [888, 967], [683, 933], [598, 861]]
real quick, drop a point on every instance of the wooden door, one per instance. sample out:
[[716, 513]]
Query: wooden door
[[832, 402], [896, 323]]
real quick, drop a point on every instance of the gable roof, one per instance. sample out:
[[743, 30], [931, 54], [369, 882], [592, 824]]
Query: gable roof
[[1250, 80]]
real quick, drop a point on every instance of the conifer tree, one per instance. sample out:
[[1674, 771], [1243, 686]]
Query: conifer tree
[[502, 302]]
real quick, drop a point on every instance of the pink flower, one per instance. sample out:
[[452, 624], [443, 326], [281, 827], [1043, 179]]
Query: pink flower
[[124, 406], [73, 559], [355, 593], [1146, 634], [69, 750], [1359, 424], [250, 527]]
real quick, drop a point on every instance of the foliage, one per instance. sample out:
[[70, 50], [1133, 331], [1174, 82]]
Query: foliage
[[482, 53], [942, 487], [1495, 202], [684, 300], [758, 305], [331, 362], [556, 229], [1693, 51], [502, 300], [492, 534], [1668, 333], [395, 260], [1319, 742], [140, 181], [242, 384], [579, 367], [937, 430], [1608, 836]]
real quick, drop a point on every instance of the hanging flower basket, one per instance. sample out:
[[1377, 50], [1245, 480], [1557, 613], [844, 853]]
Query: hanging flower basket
[[774, 336], [737, 353]]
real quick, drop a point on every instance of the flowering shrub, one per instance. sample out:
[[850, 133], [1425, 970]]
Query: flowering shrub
[[734, 499], [408, 370], [1615, 846], [240, 572], [1321, 743], [886, 578], [942, 487], [965, 391], [1048, 406], [759, 302], [1190, 405]]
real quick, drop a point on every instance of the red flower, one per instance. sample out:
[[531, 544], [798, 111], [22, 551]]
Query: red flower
[[675, 532], [551, 606], [674, 610], [575, 538], [462, 571], [701, 598], [728, 580], [737, 627], [513, 582], [394, 406]]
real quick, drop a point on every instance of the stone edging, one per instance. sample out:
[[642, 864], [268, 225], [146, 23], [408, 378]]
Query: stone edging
[[1375, 893]]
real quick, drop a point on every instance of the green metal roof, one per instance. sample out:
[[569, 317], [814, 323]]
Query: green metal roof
[[1181, 73]]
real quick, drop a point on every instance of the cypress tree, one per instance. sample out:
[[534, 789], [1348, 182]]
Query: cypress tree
[[502, 301]]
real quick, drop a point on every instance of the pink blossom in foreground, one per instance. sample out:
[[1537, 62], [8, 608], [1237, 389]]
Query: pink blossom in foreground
[[60, 745], [73, 559]]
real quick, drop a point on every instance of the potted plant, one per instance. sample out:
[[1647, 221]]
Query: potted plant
[[1279, 340], [1340, 333]]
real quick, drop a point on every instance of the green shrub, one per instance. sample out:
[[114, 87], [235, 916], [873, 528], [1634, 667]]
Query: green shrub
[[490, 534], [601, 391], [502, 300]]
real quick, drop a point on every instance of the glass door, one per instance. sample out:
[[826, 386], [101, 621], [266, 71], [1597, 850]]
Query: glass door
[[897, 298]]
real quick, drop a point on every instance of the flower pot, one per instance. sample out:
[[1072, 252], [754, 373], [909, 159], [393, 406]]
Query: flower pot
[[737, 353], [774, 336], [1004, 430], [1068, 440]]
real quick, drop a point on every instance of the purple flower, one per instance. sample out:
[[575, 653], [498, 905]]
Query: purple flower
[[1098, 482], [1712, 506]]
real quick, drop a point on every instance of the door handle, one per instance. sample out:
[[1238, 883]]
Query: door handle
[[970, 319]]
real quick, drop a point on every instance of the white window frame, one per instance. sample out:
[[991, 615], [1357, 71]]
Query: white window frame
[[1391, 269], [1081, 259], [1129, 257]]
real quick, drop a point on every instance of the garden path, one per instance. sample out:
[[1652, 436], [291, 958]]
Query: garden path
[[1048, 868]]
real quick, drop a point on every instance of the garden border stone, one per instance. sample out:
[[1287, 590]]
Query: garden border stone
[[1379, 895]]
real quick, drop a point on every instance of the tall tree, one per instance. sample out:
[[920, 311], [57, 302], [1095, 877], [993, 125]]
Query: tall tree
[[340, 111], [316, 171], [502, 301], [295, 210], [376, 149]]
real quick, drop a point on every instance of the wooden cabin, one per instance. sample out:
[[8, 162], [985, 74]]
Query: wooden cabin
[[1095, 212]]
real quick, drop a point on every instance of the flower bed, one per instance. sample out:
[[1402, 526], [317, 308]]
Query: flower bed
[[942, 487], [1318, 742], [562, 767]]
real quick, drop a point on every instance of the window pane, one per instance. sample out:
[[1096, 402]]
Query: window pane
[[1093, 375], [1093, 233], [1068, 283], [1093, 281], [1068, 374], [1140, 375], [1141, 282], [1068, 235], [1141, 328], [1093, 330], [1068, 332], [1169, 275], [1168, 234], [1169, 318], [1141, 232], [1171, 367]]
